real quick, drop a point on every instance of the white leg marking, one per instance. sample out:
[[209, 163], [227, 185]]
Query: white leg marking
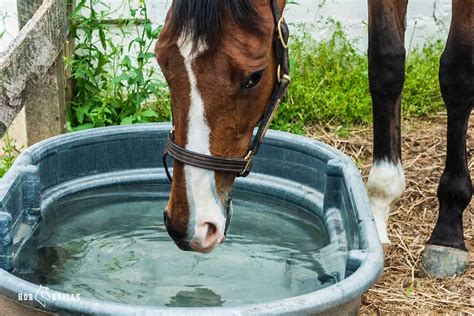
[[200, 183], [385, 186]]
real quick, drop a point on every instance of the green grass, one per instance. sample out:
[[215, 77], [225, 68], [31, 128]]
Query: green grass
[[421, 94], [330, 84]]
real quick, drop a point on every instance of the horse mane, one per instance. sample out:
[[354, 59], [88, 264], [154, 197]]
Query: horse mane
[[204, 19]]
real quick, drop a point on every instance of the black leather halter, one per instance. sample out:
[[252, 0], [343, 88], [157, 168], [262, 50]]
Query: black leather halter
[[242, 166]]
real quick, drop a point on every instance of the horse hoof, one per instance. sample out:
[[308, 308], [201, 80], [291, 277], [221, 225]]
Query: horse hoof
[[443, 262]]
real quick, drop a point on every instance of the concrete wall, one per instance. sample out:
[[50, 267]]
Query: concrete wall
[[8, 9], [352, 13], [426, 19]]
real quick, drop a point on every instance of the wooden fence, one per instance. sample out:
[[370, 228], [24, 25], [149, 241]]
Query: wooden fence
[[32, 71]]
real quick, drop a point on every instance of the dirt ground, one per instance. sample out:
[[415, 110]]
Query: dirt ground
[[402, 290]]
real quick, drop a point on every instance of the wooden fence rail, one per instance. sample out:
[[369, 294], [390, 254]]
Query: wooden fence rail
[[32, 70]]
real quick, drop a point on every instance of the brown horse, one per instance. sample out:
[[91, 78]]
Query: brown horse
[[221, 59]]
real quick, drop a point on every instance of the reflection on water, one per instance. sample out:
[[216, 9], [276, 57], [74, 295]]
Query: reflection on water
[[112, 245], [199, 297]]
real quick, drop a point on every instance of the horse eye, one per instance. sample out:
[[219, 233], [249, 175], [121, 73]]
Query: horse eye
[[252, 80]]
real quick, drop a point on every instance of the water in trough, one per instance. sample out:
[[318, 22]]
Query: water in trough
[[111, 244]]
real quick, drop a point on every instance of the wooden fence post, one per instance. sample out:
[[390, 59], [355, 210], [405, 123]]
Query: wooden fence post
[[26, 64], [45, 109]]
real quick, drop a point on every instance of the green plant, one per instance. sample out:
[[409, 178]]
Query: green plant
[[111, 85], [10, 151], [330, 83], [330, 77], [421, 92]]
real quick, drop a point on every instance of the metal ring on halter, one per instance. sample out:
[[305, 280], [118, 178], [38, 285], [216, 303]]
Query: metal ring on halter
[[280, 77], [280, 33]]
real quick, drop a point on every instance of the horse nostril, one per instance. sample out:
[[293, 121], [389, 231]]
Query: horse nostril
[[211, 234]]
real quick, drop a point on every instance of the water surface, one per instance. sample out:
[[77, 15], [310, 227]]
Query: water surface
[[112, 245]]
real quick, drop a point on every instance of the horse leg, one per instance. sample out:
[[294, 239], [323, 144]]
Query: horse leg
[[445, 253], [386, 78]]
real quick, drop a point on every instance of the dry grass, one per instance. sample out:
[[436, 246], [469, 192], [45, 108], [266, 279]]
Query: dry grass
[[401, 290]]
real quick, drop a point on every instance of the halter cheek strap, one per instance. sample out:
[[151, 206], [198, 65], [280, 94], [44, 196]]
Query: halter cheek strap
[[242, 166]]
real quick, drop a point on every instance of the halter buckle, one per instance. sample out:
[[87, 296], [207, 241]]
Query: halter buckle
[[249, 159], [248, 156]]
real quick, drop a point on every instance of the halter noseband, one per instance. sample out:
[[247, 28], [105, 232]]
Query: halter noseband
[[243, 166]]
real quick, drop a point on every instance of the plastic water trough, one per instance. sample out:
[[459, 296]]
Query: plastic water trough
[[297, 169]]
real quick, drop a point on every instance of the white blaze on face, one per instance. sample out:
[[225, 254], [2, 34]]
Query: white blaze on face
[[203, 203], [385, 186]]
